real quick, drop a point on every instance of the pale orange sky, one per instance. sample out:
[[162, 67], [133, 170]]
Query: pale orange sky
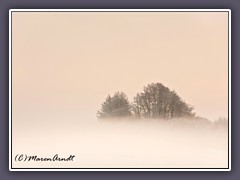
[[65, 64]]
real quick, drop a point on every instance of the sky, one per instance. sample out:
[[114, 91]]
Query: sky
[[65, 64]]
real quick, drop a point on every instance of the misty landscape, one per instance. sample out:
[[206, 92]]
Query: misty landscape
[[121, 89], [157, 130]]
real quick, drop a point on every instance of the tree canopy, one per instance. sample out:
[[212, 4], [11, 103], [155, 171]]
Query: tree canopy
[[116, 106], [158, 101]]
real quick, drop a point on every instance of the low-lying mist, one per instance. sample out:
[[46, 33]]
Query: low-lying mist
[[126, 143]]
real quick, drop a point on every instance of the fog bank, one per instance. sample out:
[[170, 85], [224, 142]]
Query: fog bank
[[123, 143]]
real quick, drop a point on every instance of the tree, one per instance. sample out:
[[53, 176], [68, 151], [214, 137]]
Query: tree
[[158, 101], [116, 106]]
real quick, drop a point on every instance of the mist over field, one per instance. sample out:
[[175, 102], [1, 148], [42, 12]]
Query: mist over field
[[125, 143]]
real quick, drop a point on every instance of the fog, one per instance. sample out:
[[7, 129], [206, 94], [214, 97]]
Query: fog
[[124, 143]]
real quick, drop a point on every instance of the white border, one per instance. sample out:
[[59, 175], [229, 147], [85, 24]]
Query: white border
[[119, 10], [229, 88]]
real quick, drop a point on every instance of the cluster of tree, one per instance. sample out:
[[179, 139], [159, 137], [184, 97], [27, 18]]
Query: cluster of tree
[[156, 101]]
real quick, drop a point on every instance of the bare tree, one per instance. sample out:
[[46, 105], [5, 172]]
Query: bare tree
[[158, 101]]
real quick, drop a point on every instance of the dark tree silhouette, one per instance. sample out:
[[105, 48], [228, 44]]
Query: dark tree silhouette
[[116, 106], [158, 101]]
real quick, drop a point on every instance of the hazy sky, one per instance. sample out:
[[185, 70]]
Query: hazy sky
[[65, 64]]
